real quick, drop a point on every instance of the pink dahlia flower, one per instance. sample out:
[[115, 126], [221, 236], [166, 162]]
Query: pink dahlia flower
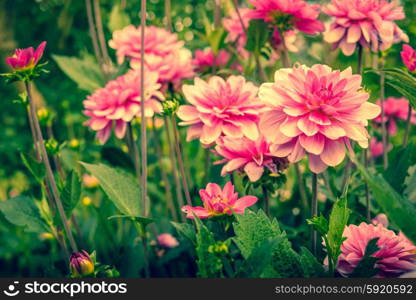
[[381, 219], [164, 53], [118, 103], [27, 58], [218, 202], [221, 107], [376, 148], [289, 40], [315, 111], [167, 240], [395, 109], [251, 157], [288, 14], [397, 254], [369, 23], [409, 57], [205, 59]]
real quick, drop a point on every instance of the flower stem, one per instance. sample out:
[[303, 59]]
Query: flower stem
[[180, 161], [165, 179], [285, 54], [93, 35], [301, 186], [101, 36], [408, 126], [168, 15], [142, 109], [49, 172], [178, 186], [141, 231], [133, 150], [266, 200], [217, 13], [314, 209], [383, 116]]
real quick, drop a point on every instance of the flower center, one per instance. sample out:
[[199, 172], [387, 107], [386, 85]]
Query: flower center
[[282, 20]]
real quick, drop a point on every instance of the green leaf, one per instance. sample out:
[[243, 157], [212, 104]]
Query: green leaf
[[310, 265], [84, 71], [366, 266], [71, 193], [260, 258], [186, 230], [37, 169], [400, 212], [320, 224], [117, 158], [119, 186], [253, 229], [209, 264], [337, 222], [410, 185], [258, 34], [22, 211], [118, 18], [402, 81]]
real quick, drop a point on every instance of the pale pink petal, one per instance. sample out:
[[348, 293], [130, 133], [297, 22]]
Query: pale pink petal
[[253, 171]]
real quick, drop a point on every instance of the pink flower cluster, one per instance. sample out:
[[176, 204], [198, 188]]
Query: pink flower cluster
[[408, 55], [164, 53], [217, 202], [315, 111], [397, 254], [205, 59], [395, 109], [24, 59], [119, 102], [370, 23]]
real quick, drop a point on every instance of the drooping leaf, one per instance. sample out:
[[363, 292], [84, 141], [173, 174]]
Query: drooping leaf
[[84, 71], [119, 186], [337, 221], [37, 169], [22, 211], [209, 264], [366, 266], [118, 18], [71, 193], [402, 81], [400, 211]]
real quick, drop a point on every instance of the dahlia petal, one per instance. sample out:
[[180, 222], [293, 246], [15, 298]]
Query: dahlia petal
[[354, 34], [289, 127], [332, 131], [120, 129], [334, 35], [241, 204], [199, 211], [210, 133], [297, 153], [233, 165], [306, 126], [333, 153], [231, 130], [194, 132], [249, 129], [347, 48], [313, 144], [316, 164], [283, 150], [213, 189], [253, 171], [99, 123], [187, 112]]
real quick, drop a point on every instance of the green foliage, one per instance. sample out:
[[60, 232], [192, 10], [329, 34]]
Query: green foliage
[[117, 158], [311, 267], [37, 169], [120, 188], [402, 81], [258, 34], [365, 267], [209, 264], [320, 224], [410, 185], [252, 230], [185, 230], [84, 71], [118, 18], [22, 211], [71, 193], [400, 212]]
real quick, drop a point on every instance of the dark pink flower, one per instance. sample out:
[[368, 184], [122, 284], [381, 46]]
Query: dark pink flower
[[397, 254], [167, 240], [288, 14], [205, 59], [27, 58], [218, 202], [409, 57], [371, 23], [236, 32], [251, 157], [118, 103]]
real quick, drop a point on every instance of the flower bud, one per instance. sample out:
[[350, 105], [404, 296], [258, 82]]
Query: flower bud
[[170, 107], [52, 146], [81, 264], [44, 115]]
